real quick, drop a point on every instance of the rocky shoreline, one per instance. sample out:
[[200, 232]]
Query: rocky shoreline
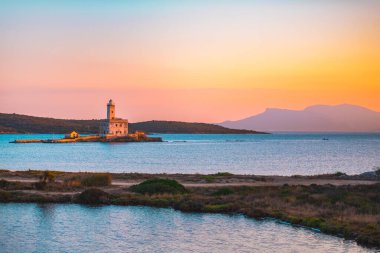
[[94, 138]]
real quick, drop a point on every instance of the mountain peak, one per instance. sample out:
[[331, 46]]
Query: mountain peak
[[334, 107], [315, 118]]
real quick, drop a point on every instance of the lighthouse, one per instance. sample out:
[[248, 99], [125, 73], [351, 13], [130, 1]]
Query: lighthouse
[[113, 126]]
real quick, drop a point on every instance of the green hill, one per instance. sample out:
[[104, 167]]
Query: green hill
[[17, 123]]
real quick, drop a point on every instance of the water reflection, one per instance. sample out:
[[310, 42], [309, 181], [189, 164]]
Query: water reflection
[[76, 228], [46, 210]]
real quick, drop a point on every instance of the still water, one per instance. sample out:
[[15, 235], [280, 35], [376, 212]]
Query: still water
[[77, 228], [282, 154]]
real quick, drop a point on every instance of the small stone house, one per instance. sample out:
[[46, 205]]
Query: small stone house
[[72, 135]]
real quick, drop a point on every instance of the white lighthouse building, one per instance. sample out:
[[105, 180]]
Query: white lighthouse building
[[113, 126]]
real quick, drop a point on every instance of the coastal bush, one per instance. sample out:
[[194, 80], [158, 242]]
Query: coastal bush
[[209, 178], [4, 196], [40, 185], [158, 186], [339, 174], [212, 177], [74, 181], [93, 196], [98, 179], [47, 176], [222, 174], [4, 183], [189, 205], [215, 208], [223, 191]]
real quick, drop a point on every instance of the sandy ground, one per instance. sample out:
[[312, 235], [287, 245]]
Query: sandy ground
[[269, 181]]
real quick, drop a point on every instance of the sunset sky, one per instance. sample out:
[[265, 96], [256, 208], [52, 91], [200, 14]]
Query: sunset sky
[[205, 61]]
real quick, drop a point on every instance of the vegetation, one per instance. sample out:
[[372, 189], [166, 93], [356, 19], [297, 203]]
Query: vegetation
[[350, 211], [185, 127], [223, 191], [93, 196], [96, 179], [74, 181], [212, 177], [339, 174], [16, 123], [5, 196], [45, 178], [7, 185], [223, 174], [209, 178], [158, 186]]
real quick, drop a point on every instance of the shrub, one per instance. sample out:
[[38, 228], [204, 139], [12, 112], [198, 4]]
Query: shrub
[[4, 196], [215, 208], [4, 183], [99, 179], [93, 196], [209, 178], [158, 185], [223, 191], [40, 185], [223, 174], [47, 176], [339, 174], [72, 181], [189, 206]]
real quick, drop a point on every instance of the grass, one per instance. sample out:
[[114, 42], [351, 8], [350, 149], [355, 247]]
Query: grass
[[223, 191], [158, 186], [5, 196], [209, 178], [222, 174], [96, 180], [212, 177]]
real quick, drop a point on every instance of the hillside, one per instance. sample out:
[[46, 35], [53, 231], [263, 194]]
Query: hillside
[[318, 118], [16, 123]]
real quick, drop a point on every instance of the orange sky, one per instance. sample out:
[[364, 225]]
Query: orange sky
[[190, 60]]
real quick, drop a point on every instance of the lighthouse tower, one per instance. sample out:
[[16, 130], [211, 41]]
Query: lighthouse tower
[[110, 110], [113, 126]]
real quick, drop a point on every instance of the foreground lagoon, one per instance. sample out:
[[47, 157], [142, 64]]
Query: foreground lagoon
[[79, 228]]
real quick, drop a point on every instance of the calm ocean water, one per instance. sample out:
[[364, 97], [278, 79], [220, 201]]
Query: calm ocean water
[[282, 154], [76, 228]]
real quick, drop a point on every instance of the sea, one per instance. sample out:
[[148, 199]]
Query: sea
[[270, 154]]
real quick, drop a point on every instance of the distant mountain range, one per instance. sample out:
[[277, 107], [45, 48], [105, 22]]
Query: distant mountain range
[[17, 123], [317, 118]]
